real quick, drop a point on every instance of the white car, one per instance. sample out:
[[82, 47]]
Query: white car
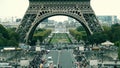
[[48, 51], [49, 58]]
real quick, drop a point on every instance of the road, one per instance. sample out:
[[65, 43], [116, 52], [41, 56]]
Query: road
[[63, 58]]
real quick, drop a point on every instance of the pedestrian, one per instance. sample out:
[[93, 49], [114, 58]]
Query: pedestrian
[[51, 65]]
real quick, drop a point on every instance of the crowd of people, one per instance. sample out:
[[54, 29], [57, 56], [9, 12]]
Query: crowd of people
[[36, 61]]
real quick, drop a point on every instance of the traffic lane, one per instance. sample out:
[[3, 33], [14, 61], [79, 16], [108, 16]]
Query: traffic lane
[[54, 55], [66, 60]]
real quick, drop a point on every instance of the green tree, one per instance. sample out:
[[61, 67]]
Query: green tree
[[76, 34], [12, 42], [117, 43], [8, 37], [97, 38], [115, 32], [14, 35], [106, 28], [4, 32], [119, 52], [80, 28], [40, 34], [3, 41]]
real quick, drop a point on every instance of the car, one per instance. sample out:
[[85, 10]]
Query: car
[[49, 58], [47, 65], [55, 66], [48, 51], [49, 61]]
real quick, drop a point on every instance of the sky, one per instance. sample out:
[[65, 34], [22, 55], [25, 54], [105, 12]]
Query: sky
[[17, 8]]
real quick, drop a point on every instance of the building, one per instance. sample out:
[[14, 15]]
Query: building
[[10, 22], [60, 27], [47, 24], [109, 20]]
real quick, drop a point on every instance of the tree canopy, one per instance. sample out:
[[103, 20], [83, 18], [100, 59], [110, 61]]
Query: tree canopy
[[40, 34], [8, 37]]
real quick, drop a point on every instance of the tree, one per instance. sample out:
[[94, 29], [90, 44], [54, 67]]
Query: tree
[[3, 41], [117, 43], [110, 33], [12, 42], [4, 32], [80, 28], [8, 37], [76, 34], [119, 52], [40, 35], [14, 35], [106, 28], [97, 38], [115, 32]]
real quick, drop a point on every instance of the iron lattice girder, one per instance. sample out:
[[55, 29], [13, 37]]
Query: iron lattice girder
[[38, 10], [25, 25], [93, 23]]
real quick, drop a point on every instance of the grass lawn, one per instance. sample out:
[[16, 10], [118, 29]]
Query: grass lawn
[[60, 38]]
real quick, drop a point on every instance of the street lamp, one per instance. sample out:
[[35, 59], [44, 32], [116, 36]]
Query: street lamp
[[115, 59], [1, 54]]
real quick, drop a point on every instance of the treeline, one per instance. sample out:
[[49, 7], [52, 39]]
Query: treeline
[[8, 37], [110, 33], [76, 34], [40, 35], [69, 38], [79, 33]]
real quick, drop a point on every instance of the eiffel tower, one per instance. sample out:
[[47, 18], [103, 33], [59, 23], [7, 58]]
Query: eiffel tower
[[39, 10]]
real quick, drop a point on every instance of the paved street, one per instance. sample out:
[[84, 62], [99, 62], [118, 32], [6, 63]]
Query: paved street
[[62, 58]]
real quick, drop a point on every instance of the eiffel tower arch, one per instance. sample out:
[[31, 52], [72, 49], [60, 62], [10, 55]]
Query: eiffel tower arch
[[39, 10]]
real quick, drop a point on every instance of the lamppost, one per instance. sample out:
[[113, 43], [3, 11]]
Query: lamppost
[[115, 59], [1, 54]]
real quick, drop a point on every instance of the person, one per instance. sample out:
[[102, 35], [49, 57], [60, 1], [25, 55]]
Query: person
[[41, 65], [51, 65]]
